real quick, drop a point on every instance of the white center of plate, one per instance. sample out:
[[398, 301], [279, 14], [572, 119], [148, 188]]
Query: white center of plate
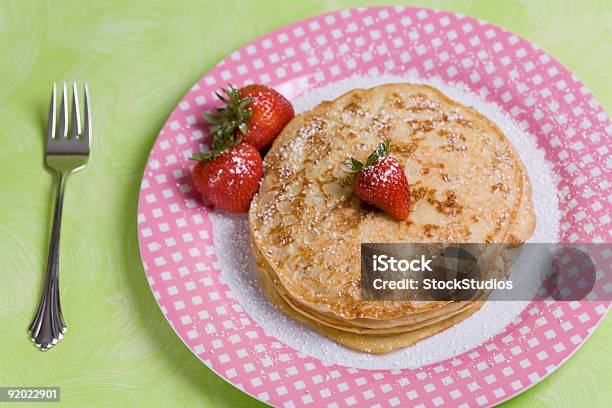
[[238, 271]]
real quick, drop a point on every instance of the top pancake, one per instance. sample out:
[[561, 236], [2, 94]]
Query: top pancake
[[465, 177]]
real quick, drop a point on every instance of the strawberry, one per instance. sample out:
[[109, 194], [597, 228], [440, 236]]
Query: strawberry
[[228, 179], [255, 113], [381, 182]]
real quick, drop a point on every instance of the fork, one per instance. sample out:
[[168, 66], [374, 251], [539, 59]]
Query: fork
[[65, 153]]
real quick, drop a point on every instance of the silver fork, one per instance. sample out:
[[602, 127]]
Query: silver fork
[[66, 152]]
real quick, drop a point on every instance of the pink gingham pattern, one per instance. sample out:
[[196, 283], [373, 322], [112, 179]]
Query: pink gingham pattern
[[543, 97]]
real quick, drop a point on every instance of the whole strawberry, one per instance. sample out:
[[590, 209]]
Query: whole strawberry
[[229, 178], [255, 113], [381, 182]]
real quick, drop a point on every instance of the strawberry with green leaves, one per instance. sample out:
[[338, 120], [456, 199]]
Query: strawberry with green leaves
[[381, 182], [228, 175], [255, 114]]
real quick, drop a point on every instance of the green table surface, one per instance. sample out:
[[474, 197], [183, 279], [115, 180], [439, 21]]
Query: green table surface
[[140, 57]]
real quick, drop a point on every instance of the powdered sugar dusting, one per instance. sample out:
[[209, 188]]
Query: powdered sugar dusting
[[238, 270]]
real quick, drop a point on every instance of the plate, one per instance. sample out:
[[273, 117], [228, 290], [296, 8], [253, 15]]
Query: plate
[[209, 295]]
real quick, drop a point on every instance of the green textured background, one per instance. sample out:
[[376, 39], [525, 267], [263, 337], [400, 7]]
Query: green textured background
[[140, 58]]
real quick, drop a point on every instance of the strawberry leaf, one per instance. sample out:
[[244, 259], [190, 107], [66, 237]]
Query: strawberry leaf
[[372, 158], [228, 122], [381, 151], [352, 166], [202, 156], [217, 144], [356, 165], [210, 118], [387, 147]]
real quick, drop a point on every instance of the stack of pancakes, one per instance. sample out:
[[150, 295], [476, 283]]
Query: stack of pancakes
[[467, 184]]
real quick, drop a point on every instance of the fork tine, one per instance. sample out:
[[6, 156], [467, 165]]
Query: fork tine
[[87, 120], [63, 119], [75, 116], [52, 114]]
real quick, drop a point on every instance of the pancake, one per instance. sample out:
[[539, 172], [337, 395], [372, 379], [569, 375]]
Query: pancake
[[467, 185], [368, 343], [369, 326], [525, 222]]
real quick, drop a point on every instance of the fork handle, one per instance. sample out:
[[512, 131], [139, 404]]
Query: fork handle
[[48, 325]]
